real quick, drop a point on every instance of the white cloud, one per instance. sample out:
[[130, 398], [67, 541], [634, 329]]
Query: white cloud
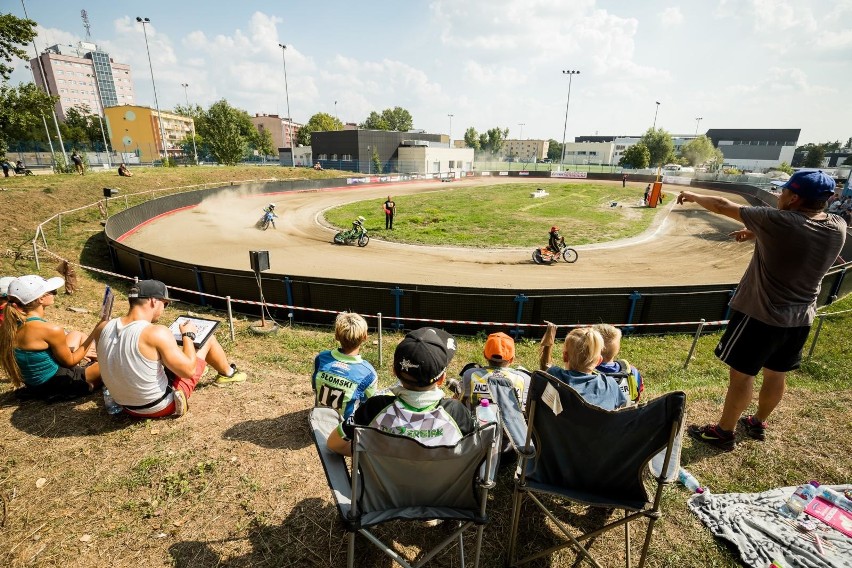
[[671, 16]]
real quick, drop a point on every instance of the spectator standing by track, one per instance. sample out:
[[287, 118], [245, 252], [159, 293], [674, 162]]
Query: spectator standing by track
[[775, 302], [390, 211]]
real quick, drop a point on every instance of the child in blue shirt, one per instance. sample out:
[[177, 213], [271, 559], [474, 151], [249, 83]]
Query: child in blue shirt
[[342, 379], [626, 375]]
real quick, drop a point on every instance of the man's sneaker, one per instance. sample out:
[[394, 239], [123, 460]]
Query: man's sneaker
[[236, 377], [713, 435], [181, 404], [753, 427]]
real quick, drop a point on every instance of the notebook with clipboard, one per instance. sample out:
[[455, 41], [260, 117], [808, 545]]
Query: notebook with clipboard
[[205, 326]]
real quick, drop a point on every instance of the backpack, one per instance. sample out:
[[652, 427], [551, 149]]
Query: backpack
[[627, 380]]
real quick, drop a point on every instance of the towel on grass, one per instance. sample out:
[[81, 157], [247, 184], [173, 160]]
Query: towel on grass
[[752, 523]]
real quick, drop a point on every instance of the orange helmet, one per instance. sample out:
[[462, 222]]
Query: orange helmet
[[554, 229]]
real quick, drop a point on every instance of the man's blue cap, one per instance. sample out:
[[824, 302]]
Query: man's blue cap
[[814, 184]]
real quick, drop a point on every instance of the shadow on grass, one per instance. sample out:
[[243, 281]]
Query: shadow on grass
[[309, 536], [65, 419], [287, 432]]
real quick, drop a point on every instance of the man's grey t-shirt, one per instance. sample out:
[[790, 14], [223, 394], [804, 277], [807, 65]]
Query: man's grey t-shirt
[[791, 255]]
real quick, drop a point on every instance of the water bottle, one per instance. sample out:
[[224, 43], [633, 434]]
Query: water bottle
[[835, 497], [485, 413], [111, 406], [688, 480], [800, 498]]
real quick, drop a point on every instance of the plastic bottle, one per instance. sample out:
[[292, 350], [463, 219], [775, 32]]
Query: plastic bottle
[[111, 406], [485, 412], [688, 480], [835, 497], [800, 498]]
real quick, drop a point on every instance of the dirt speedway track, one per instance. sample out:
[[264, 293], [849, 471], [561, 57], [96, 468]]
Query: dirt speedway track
[[685, 245]]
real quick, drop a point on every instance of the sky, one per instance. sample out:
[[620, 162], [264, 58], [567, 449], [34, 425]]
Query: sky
[[488, 63]]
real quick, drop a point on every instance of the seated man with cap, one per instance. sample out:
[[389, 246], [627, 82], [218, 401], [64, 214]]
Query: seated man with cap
[[499, 351], [417, 408], [141, 363]]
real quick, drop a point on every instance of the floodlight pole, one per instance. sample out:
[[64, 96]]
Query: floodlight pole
[[289, 118], [186, 96], [570, 74]]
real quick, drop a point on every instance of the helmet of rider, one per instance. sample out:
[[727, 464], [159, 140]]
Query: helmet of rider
[[271, 206], [361, 219], [554, 229]]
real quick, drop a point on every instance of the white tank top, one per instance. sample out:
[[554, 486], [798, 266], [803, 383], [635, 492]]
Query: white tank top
[[132, 379]]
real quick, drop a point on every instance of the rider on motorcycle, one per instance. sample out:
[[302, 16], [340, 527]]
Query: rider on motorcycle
[[358, 225], [270, 209], [554, 243]]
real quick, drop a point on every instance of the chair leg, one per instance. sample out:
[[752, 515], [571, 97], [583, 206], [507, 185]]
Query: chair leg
[[647, 544], [461, 549], [479, 531], [517, 499], [627, 540], [350, 555]]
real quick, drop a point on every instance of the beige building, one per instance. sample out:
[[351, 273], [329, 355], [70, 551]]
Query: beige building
[[435, 159], [283, 132], [526, 150], [136, 129], [589, 152], [71, 72]]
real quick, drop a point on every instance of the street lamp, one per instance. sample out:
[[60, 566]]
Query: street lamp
[[697, 122], [287, 94], [521, 124], [335, 111], [144, 21], [44, 120], [194, 149], [101, 114], [570, 74], [451, 129], [655, 115]]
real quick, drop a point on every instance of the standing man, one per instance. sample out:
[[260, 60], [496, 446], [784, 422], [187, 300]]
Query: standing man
[[624, 180], [775, 302], [390, 211], [78, 162]]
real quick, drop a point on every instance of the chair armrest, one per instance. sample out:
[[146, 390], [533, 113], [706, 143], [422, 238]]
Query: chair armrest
[[511, 417], [322, 421]]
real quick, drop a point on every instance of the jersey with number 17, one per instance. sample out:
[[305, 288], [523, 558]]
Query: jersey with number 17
[[342, 381]]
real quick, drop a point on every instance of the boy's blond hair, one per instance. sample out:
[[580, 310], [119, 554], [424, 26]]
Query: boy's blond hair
[[350, 331], [611, 336], [582, 350]]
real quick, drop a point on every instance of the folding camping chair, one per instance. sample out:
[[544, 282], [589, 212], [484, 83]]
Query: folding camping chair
[[396, 477], [584, 454]]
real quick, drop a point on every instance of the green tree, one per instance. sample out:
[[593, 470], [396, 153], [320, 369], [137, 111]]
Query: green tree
[[21, 109], [375, 121], [492, 140], [471, 139], [320, 122], [81, 127], [698, 150], [717, 160], [847, 161], [14, 33], [554, 150], [227, 132], [815, 156], [377, 162], [396, 118], [660, 145], [785, 167], [263, 143], [636, 156]]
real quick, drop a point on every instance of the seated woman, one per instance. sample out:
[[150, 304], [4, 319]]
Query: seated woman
[[581, 354], [40, 355], [123, 171], [21, 170]]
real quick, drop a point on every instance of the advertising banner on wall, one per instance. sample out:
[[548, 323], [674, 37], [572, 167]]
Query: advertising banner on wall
[[503, 173], [569, 174], [677, 180], [523, 173]]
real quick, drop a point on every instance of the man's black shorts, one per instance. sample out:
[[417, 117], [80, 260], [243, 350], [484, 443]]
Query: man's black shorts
[[748, 345]]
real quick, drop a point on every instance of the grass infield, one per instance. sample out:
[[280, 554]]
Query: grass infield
[[237, 483], [504, 215]]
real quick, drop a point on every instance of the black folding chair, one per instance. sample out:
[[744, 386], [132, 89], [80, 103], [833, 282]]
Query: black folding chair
[[396, 477], [584, 454]]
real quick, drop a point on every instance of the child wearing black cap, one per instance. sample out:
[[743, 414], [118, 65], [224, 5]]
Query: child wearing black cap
[[417, 408]]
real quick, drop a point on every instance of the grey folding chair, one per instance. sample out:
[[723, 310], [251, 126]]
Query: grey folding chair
[[581, 453], [397, 478]]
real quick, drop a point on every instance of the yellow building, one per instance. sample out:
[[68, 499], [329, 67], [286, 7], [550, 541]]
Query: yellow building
[[136, 130]]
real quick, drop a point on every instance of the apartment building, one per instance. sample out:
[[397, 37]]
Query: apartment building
[[83, 75], [136, 130]]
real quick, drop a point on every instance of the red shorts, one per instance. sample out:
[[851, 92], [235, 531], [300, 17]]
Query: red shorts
[[186, 385]]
